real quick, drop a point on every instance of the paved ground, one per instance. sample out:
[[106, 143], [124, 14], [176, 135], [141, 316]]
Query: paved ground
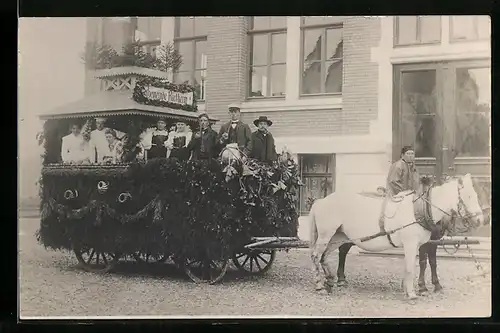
[[51, 284]]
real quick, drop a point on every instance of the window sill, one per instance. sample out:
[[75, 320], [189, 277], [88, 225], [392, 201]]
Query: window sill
[[272, 104], [450, 52], [260, 98], [325, 95], [467, 41], [396, 46]]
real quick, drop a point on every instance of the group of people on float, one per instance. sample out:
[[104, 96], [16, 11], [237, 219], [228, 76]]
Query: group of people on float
[[105, 144]]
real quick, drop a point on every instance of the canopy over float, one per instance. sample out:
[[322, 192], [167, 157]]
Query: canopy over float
[[133, 91]]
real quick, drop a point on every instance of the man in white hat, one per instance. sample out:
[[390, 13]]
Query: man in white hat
[[99, 146], [235, 131]]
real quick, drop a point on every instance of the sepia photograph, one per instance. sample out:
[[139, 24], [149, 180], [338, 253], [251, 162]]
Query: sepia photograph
[[254, 167]]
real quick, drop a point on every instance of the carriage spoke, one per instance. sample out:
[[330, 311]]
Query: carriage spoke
[[257, 263], [244, 262], [251, 264], [104, 259], [97, 260], [190, 263], [240, 255], [91, 256], [264, 260]]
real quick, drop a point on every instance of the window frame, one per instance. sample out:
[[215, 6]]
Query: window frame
[[193, 68], [396, 44], [470, 65], [269, 63], [476, 31], [331, 161], [146, 44], [324, 27]]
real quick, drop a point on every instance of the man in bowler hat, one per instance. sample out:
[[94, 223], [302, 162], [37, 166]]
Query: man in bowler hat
[[263, 147]]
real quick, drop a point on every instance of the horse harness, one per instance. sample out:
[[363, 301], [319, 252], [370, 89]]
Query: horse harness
[[426, 221]]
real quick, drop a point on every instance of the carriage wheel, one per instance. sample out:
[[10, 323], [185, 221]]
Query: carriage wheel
[[254, 262], [145, 258], [96, 261], [205, 270]]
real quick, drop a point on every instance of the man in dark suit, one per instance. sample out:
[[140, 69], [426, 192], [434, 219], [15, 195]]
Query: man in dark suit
[[263, 147], [204, 143], [236, 131]]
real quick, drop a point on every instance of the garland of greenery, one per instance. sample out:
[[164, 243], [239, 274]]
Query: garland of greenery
[[142, 84], [159, 217]]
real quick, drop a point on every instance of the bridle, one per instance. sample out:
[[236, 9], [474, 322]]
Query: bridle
[[460, 211]]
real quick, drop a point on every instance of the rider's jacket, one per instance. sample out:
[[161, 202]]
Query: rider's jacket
[[402, 176]]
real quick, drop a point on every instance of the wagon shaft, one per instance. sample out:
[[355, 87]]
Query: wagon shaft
[[453, 242]]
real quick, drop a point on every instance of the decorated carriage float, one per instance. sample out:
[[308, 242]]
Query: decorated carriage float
[[200, 214]]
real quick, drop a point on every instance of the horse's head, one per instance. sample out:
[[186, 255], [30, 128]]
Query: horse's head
[[467, 205]]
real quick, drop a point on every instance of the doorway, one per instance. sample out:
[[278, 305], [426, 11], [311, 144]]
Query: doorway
[[443, 109]]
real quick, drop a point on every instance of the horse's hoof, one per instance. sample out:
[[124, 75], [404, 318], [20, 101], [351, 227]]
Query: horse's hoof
[[328, 288], [438, 288], [330, 283], [412, 297], [423, 293], [341, 283], [321, 291], [423, 289]]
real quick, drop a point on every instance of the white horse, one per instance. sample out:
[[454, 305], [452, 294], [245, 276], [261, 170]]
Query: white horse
[[354, 218]]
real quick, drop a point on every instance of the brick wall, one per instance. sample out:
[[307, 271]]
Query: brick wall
[[360, 89], [227, 59], [307, 123], [227, 74]]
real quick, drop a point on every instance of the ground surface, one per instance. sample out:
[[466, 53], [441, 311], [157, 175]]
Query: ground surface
[[51, 284]]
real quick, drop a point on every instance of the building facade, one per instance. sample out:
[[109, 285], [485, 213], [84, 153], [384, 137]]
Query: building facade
[[344, 93]]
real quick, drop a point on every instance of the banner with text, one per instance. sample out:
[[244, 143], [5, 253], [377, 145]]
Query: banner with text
[[168, 96]]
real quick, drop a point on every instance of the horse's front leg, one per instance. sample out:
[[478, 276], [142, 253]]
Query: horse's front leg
[[343, 251], [433, 264], [422, 256], [410, 250]]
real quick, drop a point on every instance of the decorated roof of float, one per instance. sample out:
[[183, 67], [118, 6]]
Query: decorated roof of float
[[129, 70], [129, 91]]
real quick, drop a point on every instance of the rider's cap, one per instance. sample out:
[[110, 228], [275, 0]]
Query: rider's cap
[[405, 149], [100, 119]]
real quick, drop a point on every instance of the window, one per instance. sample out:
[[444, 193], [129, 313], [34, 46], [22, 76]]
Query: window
[[473, 106], [317, 175], [413, 30], [190, 40], [468, 27], [418, 111], [322, 52], [267, 70], [147, 31]]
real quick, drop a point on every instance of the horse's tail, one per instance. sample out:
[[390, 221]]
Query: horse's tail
[[314, 228]]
